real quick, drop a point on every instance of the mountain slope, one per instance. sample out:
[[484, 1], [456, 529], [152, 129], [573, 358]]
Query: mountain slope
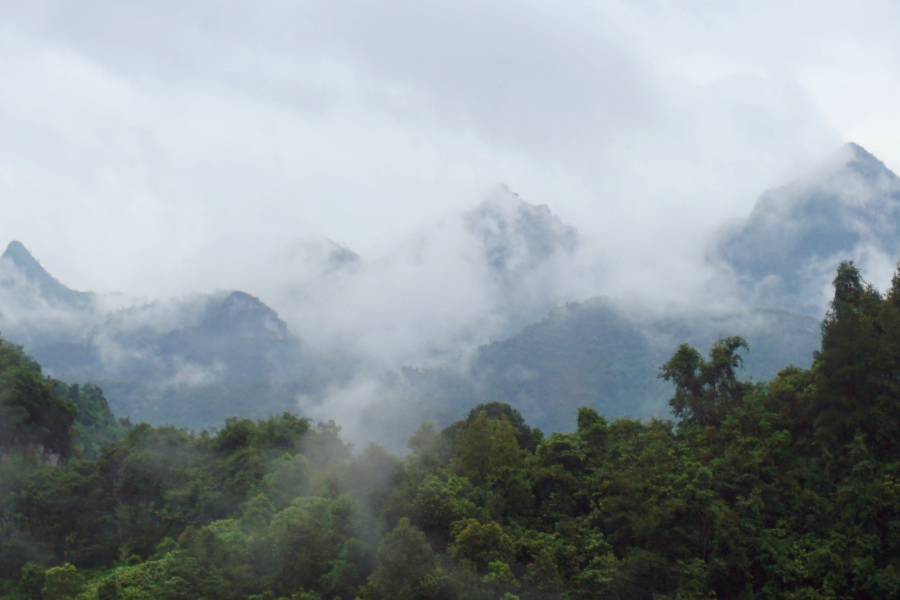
[[222, 338], [786, 250], [604, 355], [191, 361], [24, 264]]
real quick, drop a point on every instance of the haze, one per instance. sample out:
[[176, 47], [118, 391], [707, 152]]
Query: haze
[[162, 148]]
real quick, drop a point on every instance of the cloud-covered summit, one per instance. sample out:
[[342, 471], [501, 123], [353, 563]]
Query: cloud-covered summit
[[529, 255], [785, 252], [518, 237]]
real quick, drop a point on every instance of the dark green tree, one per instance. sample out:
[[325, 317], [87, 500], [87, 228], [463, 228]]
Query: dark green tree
[[706, 389], [408, 568]]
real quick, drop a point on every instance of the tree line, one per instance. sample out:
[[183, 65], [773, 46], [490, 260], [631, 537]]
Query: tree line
[[782, 489]]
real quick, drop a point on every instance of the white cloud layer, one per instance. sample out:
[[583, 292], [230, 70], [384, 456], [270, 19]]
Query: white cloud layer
[[162, 148]]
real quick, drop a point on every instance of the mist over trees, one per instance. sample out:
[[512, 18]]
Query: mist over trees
[[367, 300], [761, 467], [782, 489]]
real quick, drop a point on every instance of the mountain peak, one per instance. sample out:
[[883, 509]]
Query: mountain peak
[[865, 164], [858, 150], [517, 235], [247, 313], [25, 263], [22, 258], [238, 302], [786, 249]]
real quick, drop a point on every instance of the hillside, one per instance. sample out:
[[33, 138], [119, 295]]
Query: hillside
[[31, 273], [195, 361], [786, 250], [606, 354], [780, 490], [602, 355]]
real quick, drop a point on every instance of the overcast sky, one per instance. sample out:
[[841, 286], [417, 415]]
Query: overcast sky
[[161, 147]]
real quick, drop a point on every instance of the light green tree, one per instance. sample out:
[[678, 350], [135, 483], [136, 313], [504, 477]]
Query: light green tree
[[61, 583]]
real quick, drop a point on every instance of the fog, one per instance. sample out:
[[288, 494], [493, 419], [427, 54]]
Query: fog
[[177, 147], [403, 183], [355, 325]]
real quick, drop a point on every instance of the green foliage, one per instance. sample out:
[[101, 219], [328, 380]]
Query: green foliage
[[408, 568], [789, 489], [483, 545], [109, 590], [31, 583], [486, 447], [706, 389], [33, 418], [61, 583], [95, 424]]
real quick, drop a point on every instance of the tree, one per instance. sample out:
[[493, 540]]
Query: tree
[[488, 445], [705, 389], [481, 544], [32, 416], [31, 581], [408, 568], [109, 590], [858, 368], [61, 583]]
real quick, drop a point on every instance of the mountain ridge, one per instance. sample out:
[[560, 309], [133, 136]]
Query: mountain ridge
[[173, 359], [31, 269], [784, 252]]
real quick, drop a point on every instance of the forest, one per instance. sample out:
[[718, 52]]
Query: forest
[[783, 489]]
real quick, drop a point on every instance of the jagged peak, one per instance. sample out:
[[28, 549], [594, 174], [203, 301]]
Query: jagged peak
[[21, 257], [31, 268], [859, 152], [517, 236], [504, 214], [866, 164], [242, 302]]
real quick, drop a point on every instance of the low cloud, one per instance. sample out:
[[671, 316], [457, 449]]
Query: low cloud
[[326, 157], [165, 168]]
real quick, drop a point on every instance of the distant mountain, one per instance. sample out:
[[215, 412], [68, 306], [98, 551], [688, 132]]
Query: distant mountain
[[527, 253], [605, 355], [239, 335], [517, 237], [504, 269], [785, 252], [224, 338], [191, 361], [19, 261]]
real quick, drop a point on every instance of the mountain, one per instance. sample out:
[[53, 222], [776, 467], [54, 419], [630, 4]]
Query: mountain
[[527, 253], [194, 362], [191, 361], [22, 266], [503, 269], [226, 337], [517, 237], [603, 354], [785, 252]]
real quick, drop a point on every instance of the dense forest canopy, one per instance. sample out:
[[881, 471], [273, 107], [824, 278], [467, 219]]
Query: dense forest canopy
[[785, 489]]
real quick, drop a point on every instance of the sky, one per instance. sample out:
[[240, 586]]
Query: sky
[[162, 148]]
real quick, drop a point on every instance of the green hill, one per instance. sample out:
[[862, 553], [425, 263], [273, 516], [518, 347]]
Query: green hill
[[599, 355], [785, 489]]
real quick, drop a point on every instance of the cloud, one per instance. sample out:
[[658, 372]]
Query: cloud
[[168, 147], [163, 149]]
